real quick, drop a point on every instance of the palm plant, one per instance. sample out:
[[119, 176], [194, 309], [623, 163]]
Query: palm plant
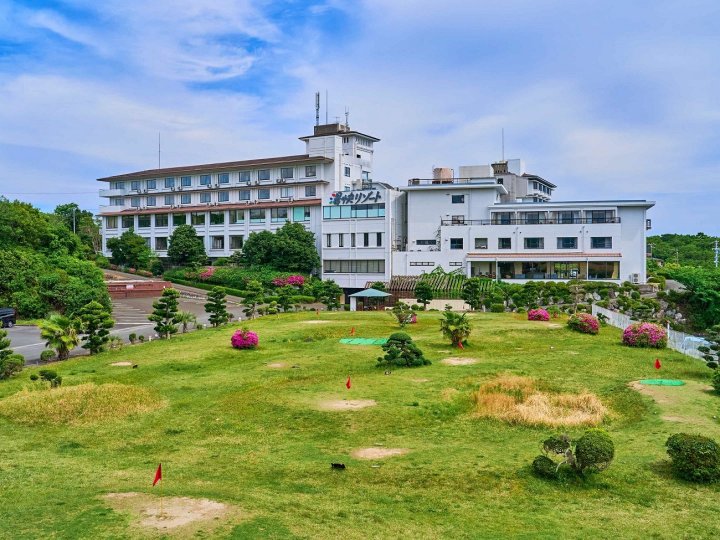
[[185, 318], [455, 327], [60, 334]]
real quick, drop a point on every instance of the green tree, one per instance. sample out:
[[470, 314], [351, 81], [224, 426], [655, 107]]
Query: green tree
[[60, 334], [95, 325], [400, 351], [378, 286], [165, 313], [130, 249], [330, 294], [82, 223], [184, 318], [10, 363], [259, 248], [402, 312], [474, 292], [285, 295], [455, 326], [253, 293], [185, 248], [216, 307], [424, 293], [291, 249]]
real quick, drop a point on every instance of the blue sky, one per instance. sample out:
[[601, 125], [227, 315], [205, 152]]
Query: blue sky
[[605, 99]]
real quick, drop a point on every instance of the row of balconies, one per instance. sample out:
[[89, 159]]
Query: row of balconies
[[115, 192]]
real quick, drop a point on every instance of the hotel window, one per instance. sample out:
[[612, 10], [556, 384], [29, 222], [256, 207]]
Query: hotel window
[[504, 243], [147, 241], [111, 222], [481, 243], [217, 218], [236, 242], [135, 202], [601, 242], [378, 239], [456, 243], [286, 172], [347, 171], [301, 213], [205, 197], [278, 215], [151, 201], [534, 243], [244, 194], [244, 176], [264, 174], [169, 200], [263, 193], [352, 240], [117, 201], [161, 220], [532, 218], [602, 270], [117, 185], [224, 178], [458, 199], [365, 176], [218, 242], [128, 222], [223, 196], [366, 239], [179, 219], [185, 198], [600, 216], [376, 266], [328, 240], [567, 270], [185, 181], [237, 216], [170, 182], [502, 218], [161, 243], [567, 217], [151, 184], [135, 185], [426, 242], [197, 218], [286, 192], [257, 215], [204, 179], [310, 171], [310, 191], [341, 240], [422, 263], [457, 220], [567, 242]]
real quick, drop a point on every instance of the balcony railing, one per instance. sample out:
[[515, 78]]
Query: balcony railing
[[526, 221], [439, 181]]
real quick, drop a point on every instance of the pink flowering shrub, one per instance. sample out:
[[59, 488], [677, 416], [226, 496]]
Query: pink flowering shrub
[[645, 334], [244, 339], [584, 322], [295, 281], [538, 314], [207, 273]]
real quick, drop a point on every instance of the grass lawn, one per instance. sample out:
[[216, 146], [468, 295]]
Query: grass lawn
[[229, 428]]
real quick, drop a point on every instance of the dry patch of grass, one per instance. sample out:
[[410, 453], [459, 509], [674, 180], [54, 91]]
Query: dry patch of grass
[[81, 404], [378, 453], [518, 400], [457, 361], [346, 404]]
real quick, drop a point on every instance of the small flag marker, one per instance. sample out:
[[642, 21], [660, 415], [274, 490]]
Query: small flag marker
[[658, 365], [460, 345], [158, 475], [352, 331], [347, 384]]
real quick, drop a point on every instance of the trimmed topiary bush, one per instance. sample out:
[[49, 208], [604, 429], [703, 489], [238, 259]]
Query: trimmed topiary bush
[[400, 351], [497, 308], [645, 334], [244, 339], [591, 453], [47, 355], [694, 457], [538, 314], [716, 381], [594, 451], [584, 323]]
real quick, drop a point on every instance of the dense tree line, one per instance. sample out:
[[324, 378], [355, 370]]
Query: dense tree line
[[683, 249]]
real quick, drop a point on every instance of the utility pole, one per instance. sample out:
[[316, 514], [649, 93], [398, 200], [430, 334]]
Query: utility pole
[[717, 253]]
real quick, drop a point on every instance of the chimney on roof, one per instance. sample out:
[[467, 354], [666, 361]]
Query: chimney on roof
[[499, 167]]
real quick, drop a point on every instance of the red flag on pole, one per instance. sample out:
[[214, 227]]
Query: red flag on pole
[[461, 345], [347, 384], [158, 475], [352, 331], [658, 365]]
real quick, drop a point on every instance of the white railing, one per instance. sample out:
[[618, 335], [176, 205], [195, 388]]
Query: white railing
[[677, 341]]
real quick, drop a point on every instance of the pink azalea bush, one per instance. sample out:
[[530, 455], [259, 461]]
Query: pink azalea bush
[[244, 339], [207, 273], [538, 314], [295, 281], [584, 322], [645, 334]]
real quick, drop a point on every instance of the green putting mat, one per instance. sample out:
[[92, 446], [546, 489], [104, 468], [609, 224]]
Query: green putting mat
[[662, 382], [363, 341]]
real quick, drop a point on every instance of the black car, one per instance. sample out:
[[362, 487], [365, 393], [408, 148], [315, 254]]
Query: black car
[[8, 317]]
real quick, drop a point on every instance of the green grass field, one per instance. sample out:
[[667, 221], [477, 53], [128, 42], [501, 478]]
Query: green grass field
[[229, 428]]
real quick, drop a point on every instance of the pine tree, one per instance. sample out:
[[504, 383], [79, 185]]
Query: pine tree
[[95, 325], [216, 307], [10, 363], [253, 293], [165, 313], [424, 293]]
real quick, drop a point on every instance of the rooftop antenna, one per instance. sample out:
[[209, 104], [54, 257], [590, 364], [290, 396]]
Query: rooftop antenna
[[317, 108], [502, 136], [326, 106], [347, 118]]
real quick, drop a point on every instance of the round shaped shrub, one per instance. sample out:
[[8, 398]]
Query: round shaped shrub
[[244, 339], [47, 355], [716, 380], [538, 314], [694, 457], [594, 451], [545, 467], [497, 308], [645, 334], [584, 322]]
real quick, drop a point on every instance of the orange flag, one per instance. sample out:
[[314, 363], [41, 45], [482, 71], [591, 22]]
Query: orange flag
[[658, 365], [461, 345], [352, 331], [158, 475], [347, 384]]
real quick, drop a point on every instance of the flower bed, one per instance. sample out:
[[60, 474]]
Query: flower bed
[[584, 322], [645, 335], [244, 339], [538, 314], [295, 281]]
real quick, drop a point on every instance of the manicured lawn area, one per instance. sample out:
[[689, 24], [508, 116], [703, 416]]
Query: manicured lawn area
[[229, 428]]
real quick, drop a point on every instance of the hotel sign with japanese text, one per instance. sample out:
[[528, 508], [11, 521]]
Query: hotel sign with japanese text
[[339, 198]]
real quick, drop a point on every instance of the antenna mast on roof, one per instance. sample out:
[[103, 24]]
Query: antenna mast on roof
[[326, 106], [317, 108], [158, 149], [502, 136], [347, 118]]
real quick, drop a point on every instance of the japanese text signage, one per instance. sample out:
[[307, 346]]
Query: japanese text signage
[[355, 197]]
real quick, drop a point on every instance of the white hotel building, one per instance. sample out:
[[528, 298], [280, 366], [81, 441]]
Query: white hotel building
[[496, 220]]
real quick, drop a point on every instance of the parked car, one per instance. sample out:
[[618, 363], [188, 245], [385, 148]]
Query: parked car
[[8, 317]]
